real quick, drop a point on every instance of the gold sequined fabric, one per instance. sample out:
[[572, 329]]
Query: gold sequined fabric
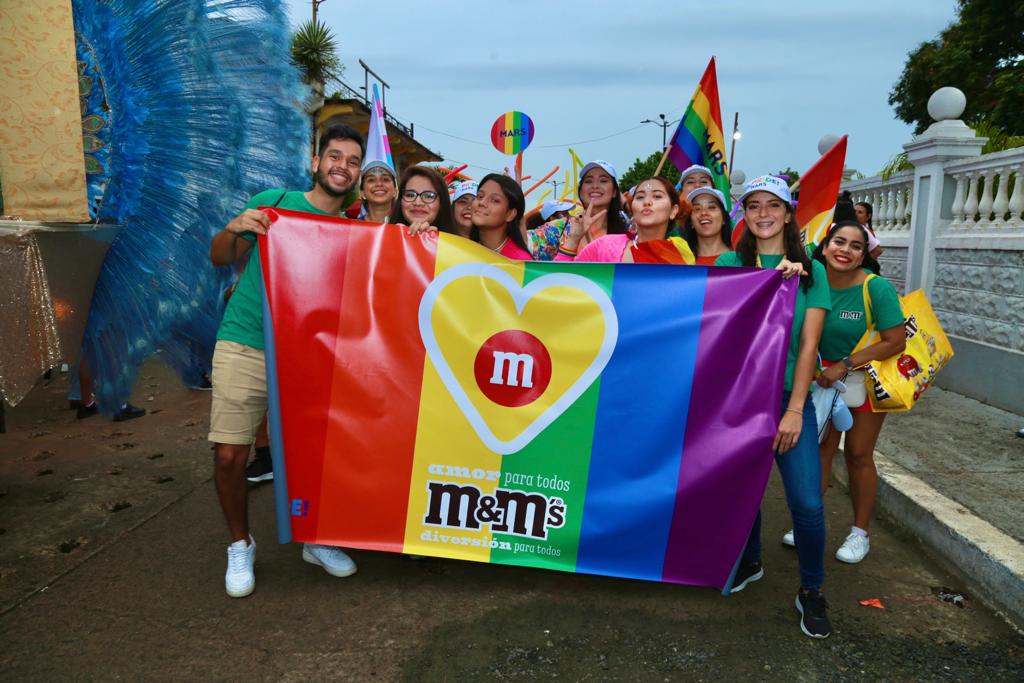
[[29, 341]]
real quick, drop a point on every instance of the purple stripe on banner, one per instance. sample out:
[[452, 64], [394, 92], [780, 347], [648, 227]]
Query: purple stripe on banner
[[685, 150], [733, 417]]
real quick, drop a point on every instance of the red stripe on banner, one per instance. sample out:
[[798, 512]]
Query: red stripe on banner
[[375, 390], [303, 390]]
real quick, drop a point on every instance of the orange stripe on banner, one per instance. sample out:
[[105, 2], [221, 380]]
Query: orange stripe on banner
[[375, 390]]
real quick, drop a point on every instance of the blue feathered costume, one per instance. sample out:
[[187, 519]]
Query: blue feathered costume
[[189, 107]]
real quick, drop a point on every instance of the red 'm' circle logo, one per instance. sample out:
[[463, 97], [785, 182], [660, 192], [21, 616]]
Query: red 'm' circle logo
[[512, 368]]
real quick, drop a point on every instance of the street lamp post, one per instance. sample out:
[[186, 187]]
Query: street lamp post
[[664, 123], [736, 135]]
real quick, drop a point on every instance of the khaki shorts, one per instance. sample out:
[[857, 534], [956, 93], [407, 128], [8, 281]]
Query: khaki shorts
[[239, 393]]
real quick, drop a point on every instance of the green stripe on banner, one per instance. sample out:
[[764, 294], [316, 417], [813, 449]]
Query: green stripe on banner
[[534, 471]]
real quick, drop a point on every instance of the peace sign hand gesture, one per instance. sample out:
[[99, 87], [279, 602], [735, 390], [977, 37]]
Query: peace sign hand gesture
[[581, 225]]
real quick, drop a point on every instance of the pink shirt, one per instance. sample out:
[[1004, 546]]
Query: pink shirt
[[606, 249], [515, 252]]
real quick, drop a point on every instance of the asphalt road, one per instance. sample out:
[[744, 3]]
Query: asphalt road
[[93, 589]]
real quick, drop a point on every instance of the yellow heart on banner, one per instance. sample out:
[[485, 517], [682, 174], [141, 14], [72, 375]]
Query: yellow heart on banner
[[515, 357]]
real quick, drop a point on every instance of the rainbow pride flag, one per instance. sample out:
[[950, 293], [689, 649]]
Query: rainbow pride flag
[[819, 190], [699, 139], [431, 397]]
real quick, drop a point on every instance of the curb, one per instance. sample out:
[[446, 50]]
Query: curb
[[990, 560]]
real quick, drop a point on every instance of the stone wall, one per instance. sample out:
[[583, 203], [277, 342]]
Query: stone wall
[[894, 266], [978, 294]]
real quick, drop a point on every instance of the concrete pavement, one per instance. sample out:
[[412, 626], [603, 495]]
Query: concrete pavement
[[141, 596]]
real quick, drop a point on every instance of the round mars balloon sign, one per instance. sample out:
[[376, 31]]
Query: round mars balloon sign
[[512, 132]]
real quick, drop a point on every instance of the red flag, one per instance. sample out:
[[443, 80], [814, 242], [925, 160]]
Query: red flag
[[819, 189]]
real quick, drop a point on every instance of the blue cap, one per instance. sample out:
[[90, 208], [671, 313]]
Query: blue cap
[[551, 207]]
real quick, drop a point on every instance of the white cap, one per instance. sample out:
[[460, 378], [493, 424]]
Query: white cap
[[464, 188], [598, 163], [551, 207], [768, 183], [696, 168], [698, 191]]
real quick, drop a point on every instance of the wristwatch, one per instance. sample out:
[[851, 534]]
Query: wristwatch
[[848, 363]]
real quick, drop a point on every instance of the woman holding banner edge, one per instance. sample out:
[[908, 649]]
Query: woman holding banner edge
[[772, 236]]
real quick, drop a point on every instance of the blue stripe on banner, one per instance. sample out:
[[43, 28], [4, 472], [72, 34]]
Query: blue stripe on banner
[[641, 419], [284, 521]]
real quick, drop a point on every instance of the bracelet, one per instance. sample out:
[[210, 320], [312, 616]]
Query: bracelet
[[565, 250], [794, 410]]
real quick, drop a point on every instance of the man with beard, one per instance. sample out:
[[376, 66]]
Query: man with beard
[[239, 375]]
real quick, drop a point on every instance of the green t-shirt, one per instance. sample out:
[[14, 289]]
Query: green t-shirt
[[243, 317], [817, 296], [846, 323]]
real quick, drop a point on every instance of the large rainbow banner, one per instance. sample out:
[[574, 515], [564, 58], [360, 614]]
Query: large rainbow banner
[[431, 397]]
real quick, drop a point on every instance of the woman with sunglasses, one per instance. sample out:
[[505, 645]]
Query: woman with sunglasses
[[771, 236], [423, 201]]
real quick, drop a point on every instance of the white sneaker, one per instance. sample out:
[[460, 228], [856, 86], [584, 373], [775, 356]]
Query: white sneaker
[[789, 539], [239, 581], [854, 549], [334, 560]]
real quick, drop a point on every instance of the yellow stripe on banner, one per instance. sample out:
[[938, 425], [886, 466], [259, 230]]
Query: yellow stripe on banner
[[817, 227], [449, 450]]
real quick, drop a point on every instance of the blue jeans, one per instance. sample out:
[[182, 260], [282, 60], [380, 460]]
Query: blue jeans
[[800, 468]]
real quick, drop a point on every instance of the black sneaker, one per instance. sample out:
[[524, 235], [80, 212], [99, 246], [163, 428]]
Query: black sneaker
[[813, 621], [128, 412], [87, 411], [260, 469], [748, 572]]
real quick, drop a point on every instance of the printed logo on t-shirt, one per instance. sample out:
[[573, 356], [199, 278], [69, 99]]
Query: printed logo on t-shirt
[[850, 315]]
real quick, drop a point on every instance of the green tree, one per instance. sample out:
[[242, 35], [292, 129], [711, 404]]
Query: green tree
[[314, 51], [644, 168], [788, 174], [982, 53]]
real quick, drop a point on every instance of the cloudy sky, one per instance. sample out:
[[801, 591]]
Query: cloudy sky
[[587, 73]]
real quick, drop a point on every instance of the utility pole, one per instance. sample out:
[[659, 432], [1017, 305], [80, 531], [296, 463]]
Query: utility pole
[[556, 184]]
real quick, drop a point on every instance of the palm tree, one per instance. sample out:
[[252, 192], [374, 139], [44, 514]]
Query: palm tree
[[314, 51]]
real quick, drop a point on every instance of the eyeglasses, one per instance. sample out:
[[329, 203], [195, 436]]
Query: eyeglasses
[[428, 196]]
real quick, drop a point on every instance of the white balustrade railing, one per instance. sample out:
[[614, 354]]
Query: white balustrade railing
[[890, 199], [985, 200]]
